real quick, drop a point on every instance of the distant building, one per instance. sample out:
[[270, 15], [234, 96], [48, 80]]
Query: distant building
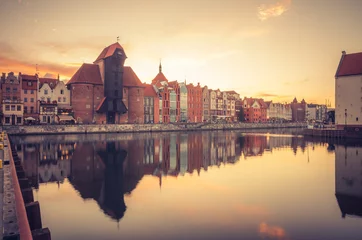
[[299, 110], [194, 96], [213, 104], [278, 112], [11, 104], [151, 105], [29, 96], [316, 112], [183, 102], [232, 97], [160, 83], [348, 112], [205, 104], [255, 110], [175, 101]]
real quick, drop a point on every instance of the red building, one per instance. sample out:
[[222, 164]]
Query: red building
[[194, 102], [106, 91], [298, 110], [11, 103], [255, 110], [160, 82]]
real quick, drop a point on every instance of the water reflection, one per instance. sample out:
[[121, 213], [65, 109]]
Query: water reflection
[[271, 197], [349, 178]]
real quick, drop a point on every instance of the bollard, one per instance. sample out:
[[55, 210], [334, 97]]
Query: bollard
[[27, 195], [41, 234], [33, 213]]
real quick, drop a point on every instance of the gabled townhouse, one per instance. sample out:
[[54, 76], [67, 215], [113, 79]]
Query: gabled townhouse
[[29, 96], [11, 104], [160, 83], [255, 110], [205, 104], [183, 102]]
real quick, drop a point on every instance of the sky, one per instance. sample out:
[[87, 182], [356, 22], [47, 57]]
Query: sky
[[276, 50]]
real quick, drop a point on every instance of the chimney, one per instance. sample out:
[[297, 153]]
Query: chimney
[[343, 52]]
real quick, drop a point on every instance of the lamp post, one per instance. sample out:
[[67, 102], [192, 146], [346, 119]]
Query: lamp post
[[345, 119]]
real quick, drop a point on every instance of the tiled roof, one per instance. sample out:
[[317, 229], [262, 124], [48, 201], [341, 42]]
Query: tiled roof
[[87, 73], [52, 82], [130, 78], [29, 77], [159, 78], [350, 64], [108, 51], [149, 91]]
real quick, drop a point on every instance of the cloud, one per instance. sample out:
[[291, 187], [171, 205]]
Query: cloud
[[14, 65], [264, 94], [305, 80], [266, 11], [275, 232]]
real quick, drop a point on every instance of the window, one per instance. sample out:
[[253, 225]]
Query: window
[[7, 89], [59, 99], [29, 83], [25, 91], [87, 106], [7, 119], [44, 118], [18, 108], [7, 107], [31, 99], [18, 120], [356, 119], [31, 91], [15, 98], [62, 91], [64, 99], [45, 91], [31, 109], [25, 109], [48, 100], [12, 107], [15, 90]]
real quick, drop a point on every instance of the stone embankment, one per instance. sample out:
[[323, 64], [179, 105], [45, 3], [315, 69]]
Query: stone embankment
[[21, 215], [129, 128]]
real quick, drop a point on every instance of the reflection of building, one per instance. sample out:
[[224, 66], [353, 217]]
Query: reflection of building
[[349, 179]]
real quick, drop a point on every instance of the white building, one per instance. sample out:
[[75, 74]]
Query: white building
[[348, 80]]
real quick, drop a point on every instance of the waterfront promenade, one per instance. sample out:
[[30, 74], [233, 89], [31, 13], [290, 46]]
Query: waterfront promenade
[[127, 128]]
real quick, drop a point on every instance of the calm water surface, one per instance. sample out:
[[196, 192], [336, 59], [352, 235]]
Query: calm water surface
[[207, 185]]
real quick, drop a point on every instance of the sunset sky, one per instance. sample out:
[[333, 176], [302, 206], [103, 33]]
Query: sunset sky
[[273, 49]]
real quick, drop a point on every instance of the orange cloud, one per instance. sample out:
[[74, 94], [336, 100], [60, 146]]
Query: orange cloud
[[276, 232], [14, 65], [266, 11]]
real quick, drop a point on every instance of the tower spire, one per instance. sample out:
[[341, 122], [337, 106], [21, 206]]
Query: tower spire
[[118, 39], [160, 67]]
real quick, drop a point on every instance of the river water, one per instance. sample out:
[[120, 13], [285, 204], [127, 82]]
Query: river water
[[197, 185]]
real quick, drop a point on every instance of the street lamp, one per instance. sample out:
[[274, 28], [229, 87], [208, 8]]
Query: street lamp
[[345, 118]]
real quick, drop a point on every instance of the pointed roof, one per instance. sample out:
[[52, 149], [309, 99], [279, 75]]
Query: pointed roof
[[159, 78], [87, 73], [350, 64], [130, 78], [109, 51], [52, 82], [149, 91], [29, 77]]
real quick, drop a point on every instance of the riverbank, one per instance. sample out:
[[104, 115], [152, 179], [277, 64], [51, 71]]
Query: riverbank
[[129, 128]]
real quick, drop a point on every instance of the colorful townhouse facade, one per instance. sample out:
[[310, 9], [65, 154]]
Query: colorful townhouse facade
[[11, 105]]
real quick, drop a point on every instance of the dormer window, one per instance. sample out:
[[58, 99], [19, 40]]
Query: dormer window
[[62, 91], [29, 84], [45, 91]]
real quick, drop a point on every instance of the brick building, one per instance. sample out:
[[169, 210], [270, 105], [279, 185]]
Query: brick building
[[11, 104], [255, 110], [160, 83], [195, 103], [175, 110], [299, 110], [29, 96], [133, 97], [102, 91]]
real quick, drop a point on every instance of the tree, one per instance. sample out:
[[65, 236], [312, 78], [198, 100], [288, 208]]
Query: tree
[[241, 115]]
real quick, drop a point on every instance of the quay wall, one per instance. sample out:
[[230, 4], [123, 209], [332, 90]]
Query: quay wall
[[129, 128]]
